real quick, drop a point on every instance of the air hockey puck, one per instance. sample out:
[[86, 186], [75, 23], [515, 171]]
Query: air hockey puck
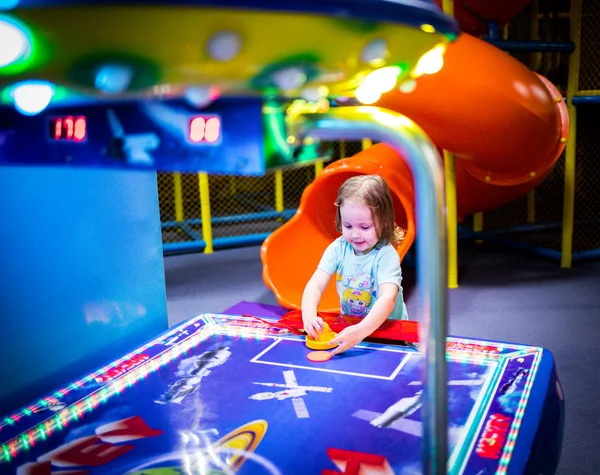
[[319, 356]]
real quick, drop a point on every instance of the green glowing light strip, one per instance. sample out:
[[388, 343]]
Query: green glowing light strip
[[478, 414], [40, 431], [41, 404], [522, 353], [516, 424]]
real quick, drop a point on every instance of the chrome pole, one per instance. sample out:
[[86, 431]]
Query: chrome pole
[[355, 123]]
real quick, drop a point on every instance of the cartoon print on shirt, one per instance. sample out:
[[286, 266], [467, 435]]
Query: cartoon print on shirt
[[356, 301], [357, 293]]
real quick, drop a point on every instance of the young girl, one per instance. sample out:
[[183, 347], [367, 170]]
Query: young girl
[[368, 270]]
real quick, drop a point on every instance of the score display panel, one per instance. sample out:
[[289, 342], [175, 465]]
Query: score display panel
[[204, 130], [67, 128], [227, 137]]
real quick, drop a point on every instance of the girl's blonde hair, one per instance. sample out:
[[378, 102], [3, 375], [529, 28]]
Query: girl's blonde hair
[[373, 192]]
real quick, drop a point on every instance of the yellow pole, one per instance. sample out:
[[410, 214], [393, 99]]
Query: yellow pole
[[318, 167], [342, 149], [451, 218], [451, 213], [588, 92], [279, 190], [205, 212], [366, 143], [571, 147], [478, 222], [478, 225], [448, 7], [178, 197]]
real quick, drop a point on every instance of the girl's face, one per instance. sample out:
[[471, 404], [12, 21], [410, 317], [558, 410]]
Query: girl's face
[[358, 227]]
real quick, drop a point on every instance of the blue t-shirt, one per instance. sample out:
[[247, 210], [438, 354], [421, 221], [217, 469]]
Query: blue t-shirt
[[359, 277]]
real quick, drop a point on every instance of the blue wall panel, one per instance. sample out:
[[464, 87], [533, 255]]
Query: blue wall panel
[[81, 273]]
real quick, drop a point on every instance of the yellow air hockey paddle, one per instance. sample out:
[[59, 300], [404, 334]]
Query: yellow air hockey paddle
[[322, 342]]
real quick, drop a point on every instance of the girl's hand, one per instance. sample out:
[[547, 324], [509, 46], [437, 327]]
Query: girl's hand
[[348, 338], [313, 325]]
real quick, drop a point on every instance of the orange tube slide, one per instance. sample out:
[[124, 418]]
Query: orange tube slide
[[506, 125]]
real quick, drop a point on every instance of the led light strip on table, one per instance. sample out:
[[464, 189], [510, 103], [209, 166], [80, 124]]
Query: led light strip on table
[[76, 410], [518, 419]]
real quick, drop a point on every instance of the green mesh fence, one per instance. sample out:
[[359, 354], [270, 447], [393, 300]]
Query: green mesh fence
[[239, 206], [586, 235]]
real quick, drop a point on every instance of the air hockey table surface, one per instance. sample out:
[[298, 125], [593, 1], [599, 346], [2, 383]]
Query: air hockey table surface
[[230, 394]]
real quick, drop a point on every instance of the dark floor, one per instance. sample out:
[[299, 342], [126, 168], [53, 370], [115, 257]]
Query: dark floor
[[503, 295]]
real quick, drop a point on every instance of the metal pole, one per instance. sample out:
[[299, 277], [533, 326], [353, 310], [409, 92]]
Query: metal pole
[[451, 199], [355, 123], [278, 190], [452, 218], [205, 212], [571, 148], [318, 167], [178, 196]]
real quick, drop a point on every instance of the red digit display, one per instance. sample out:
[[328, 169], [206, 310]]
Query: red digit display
[[212, 132], [197, 126], [69, 128], [204, 129]]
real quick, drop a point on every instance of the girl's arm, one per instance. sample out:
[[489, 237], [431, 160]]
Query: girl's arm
[[310, 300]]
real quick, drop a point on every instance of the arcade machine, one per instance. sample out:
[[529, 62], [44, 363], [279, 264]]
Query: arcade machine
[[98, 107]]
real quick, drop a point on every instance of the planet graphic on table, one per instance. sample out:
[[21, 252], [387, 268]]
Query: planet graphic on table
[[224, 456]]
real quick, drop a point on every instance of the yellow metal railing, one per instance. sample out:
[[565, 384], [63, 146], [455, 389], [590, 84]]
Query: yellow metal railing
[[278, 190], [571, 147], [318, 167], [451, 203], [452, 218], [178, 196], [205, 212]]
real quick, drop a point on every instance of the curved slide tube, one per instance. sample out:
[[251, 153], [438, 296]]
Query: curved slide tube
[[506, 125]]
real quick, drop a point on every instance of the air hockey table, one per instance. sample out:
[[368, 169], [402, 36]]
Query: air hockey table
[[220, 394]]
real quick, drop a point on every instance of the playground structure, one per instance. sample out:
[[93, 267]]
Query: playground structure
[[474, 118], [554, 219]]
